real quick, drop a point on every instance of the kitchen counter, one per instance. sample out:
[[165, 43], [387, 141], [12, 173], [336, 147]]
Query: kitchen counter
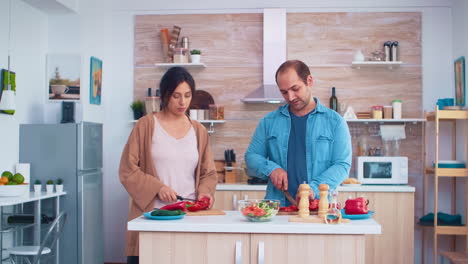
[[232, 239], [359, 188], [236, 223]]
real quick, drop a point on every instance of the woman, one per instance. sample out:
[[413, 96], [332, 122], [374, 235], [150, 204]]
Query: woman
[[167, 154]]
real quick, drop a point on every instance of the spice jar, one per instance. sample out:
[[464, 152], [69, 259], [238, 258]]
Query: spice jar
[[377, 112], [387, 111], [216, 112]]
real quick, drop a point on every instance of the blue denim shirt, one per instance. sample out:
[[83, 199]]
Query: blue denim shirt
[[328, 148]]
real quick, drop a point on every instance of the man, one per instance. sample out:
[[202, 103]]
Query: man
[[302, 141]]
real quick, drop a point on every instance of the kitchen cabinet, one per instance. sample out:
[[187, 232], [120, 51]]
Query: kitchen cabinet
[[203, 248], [226, 200], [204, 239], [394, 210]]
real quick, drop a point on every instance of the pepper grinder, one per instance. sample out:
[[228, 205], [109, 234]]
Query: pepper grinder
[[323, 203], [304, 191]]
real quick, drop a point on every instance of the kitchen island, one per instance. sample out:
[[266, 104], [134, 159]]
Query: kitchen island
[[231, 238]]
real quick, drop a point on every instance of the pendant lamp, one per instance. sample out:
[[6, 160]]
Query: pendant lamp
[[7, 101]]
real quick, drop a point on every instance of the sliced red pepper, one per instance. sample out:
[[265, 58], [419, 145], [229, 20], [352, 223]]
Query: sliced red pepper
[[291, 208], [175, 206], [201, 204], [356, 206]]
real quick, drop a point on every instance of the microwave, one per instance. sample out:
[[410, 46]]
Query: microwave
[[382, 170]]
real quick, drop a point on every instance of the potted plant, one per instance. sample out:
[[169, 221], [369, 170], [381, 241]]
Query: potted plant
[[50, 186], [59, 185], [137, 108], [195, 55], [58, 86], [37, 186]]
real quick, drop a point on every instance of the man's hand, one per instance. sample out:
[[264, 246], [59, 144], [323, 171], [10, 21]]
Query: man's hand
[[201, 195], [279, 178], [167, 195]]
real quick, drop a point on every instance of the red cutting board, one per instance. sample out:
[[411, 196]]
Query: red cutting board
[[206, 212]]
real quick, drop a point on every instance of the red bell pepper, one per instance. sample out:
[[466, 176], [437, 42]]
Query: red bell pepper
[[314, 204], [356, 206], [176, 206], [201, 204]]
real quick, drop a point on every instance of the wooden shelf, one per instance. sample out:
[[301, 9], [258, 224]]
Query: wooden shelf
[[446, 230], [455, 257], [447, 115], [185, 65], [370, 64], [442, 172]]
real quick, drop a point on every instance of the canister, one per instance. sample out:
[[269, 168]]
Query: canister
[[397, 105], [387, 112], [377, 112]]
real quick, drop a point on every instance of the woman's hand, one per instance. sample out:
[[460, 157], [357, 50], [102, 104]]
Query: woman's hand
[[201, 195], [167, 195]]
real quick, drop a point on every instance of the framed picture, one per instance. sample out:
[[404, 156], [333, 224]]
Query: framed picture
[[63, 76], [95, 81], [459, 64]]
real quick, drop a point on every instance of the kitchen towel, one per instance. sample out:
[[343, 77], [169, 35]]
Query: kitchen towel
[[392, 132], [442, 219]]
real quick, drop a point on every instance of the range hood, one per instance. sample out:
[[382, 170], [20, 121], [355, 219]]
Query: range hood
[[274, 54]]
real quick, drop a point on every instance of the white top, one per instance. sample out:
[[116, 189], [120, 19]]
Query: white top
[[234, 222], [28, 197], [349, 188], [175, 161]]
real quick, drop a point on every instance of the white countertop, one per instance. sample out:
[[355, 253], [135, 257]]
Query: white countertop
[[234, 222], [359, 188], [28, 197]]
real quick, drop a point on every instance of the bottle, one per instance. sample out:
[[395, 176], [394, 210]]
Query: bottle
[[397, 105], [387, 50], [333, 214], [152, 103], [394, 51], [334, 101]]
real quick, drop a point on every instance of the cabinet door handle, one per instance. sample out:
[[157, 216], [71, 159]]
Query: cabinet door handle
[[261, 252], [238, 256], [234, 202], [246, 196]]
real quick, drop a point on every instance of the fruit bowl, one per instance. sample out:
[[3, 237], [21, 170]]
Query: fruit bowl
[[13, 190], [258, 210]]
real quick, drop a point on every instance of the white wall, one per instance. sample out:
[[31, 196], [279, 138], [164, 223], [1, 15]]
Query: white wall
[[28, 46]]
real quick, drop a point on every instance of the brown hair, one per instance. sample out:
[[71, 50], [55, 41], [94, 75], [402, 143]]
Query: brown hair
[[300, 67], [170, 80]]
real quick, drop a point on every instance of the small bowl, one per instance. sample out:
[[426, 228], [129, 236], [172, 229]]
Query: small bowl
[[258, 210], [13, 190]]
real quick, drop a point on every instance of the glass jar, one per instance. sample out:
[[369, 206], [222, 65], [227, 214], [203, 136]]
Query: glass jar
[[388, 112], [180, 55], [216, 112], [377, 112]]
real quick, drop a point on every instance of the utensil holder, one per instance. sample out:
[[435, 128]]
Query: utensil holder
[[230, 175]]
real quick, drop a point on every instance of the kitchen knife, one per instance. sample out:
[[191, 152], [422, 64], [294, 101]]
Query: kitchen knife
[[289, 197], [186, 199]]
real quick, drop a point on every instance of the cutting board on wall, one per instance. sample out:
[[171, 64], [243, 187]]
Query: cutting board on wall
[[207, 212]]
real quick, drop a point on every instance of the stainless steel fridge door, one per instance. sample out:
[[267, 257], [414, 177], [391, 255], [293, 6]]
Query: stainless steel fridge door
[[90, 219], [89, 146]]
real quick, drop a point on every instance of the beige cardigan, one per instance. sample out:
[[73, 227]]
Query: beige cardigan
[[141, 181]]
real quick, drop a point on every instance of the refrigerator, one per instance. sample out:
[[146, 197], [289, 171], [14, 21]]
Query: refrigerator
[[72, 152]]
